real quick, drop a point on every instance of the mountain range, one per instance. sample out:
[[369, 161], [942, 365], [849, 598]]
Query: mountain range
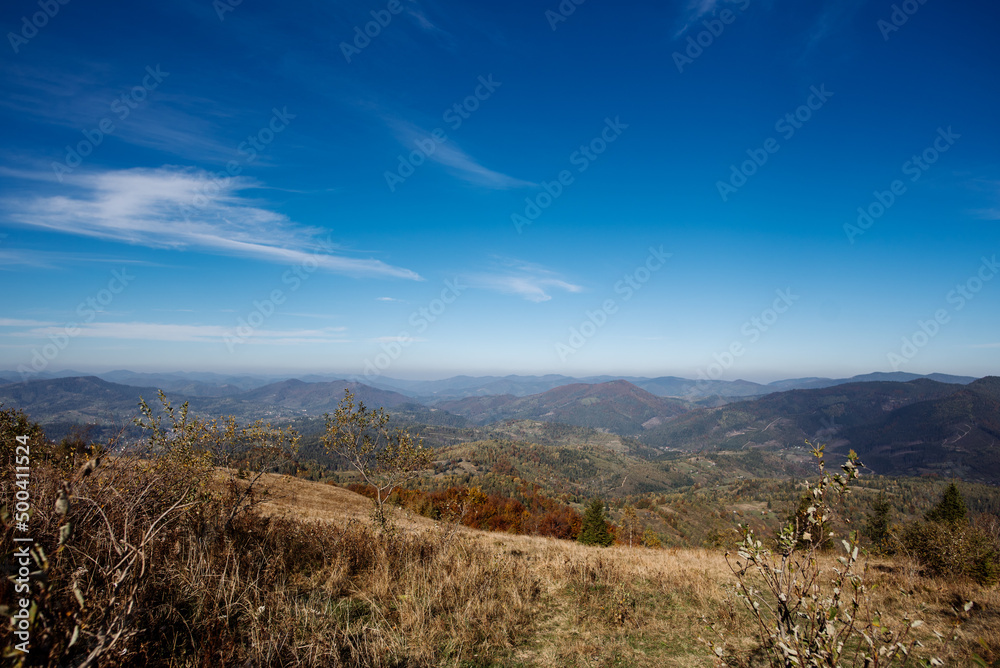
[[617, 406], [944, 425], [208, 384], [915, 428]]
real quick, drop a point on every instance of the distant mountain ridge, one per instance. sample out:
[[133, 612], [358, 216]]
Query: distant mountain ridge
[[664, 386], [896, 376], [789, 418], [921, 426], [617, 406], [87, 399], [208, 384], [914, 428], [319, 398], [954, 435]]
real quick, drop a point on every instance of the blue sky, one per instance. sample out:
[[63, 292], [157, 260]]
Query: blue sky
[[630, 188]]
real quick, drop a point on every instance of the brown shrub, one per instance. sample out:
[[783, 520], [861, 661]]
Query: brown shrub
[[160, 571]]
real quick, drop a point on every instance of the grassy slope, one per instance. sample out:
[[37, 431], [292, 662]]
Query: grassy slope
[[643, 607]]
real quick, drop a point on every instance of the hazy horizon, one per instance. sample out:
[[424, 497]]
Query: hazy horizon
[[288, 374]]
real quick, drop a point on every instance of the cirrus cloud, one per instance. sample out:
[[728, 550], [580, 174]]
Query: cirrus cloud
[[177, 208]]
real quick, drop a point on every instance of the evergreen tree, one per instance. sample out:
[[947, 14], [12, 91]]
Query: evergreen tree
[[877, 524], [950, 509], [595, 525]]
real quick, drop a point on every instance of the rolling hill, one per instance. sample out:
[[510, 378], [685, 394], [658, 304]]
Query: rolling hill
[[83, 399], [789, 418], [617, 406], [956, 435], [89, 399], [318, 398], [913, 428]]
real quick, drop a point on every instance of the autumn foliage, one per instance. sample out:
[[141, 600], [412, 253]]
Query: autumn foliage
[[536, 515]]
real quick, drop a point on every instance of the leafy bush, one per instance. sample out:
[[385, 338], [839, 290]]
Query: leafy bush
[[947, 545], [800, 619], [158, 569], [953, 551]]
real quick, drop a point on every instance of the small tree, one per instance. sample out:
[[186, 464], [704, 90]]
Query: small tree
[[385, 458], [187, 449], [631, 525], [595, 529], [877, 524], [950, 509], [809, 528], [650, 539], [802, 620], [14, 423]]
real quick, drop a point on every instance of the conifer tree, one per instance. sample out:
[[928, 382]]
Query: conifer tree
[[877, 525], [950, 509], [595, 525]]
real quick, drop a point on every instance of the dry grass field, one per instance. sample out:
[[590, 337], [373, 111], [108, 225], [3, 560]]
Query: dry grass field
[[622, 606], [160, 569]]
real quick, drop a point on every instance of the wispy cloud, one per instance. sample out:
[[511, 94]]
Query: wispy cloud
[[14, 322], [420, 17], [155, 331], [10, 258], [78, 99], [834, 17], [387, 299], [321, 316], [524, 279], [454, 159], [695, 10], [175, 208]]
